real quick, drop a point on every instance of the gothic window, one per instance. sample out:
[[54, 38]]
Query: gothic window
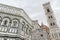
[[48, 10], [15, 23], [41, 35], [51, 17], [30, 31], [23, 24], [5, 22], [51, 24]]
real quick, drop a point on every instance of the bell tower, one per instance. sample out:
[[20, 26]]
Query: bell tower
[[51, 20], [50, 16]]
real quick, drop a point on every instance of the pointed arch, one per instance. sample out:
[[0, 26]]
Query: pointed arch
[[15, 22], [6, 21]]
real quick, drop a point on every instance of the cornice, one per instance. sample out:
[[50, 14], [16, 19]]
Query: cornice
[[10, 9]]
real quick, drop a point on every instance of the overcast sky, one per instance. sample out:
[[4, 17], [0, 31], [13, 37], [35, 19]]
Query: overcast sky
[[35, 9]]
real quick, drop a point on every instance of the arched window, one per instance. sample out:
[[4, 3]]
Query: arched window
[[53, 23], [41, 35], [27, 29], [5, 22], [48, 10], [30, 32], [15, 23], [23, 24]]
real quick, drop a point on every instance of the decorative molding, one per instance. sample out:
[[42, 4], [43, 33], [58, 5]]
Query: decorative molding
[[16, 19], [15, 11], [10, 9], [16, 16]]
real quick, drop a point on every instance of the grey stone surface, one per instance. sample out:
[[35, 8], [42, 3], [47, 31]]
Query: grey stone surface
[[11, 23]]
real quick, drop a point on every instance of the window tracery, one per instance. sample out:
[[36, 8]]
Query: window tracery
[[5, 22], [23, 24], [15, 23]]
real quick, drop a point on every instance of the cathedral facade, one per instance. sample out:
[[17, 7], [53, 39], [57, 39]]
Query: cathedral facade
[[14, 23], [40, 32]]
